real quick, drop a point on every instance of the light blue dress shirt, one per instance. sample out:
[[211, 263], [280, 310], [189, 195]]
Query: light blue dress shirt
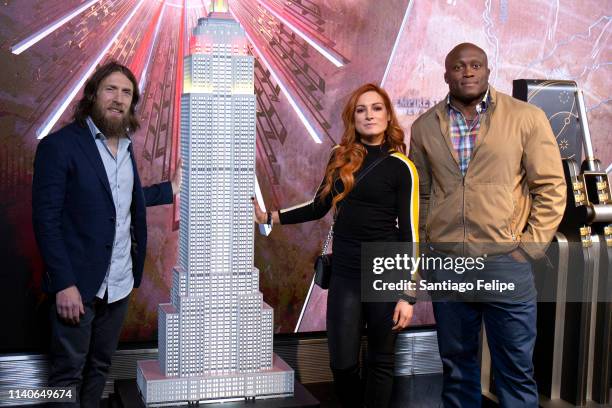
[[119, 280]]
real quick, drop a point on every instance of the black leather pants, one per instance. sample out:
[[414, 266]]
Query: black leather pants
[[346, 315]]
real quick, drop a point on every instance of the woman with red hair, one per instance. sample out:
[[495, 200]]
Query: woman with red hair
[[381, 207]]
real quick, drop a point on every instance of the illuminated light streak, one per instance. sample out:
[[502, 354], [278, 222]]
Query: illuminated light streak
[[176, 119], [552, 30], [596, 47], [327, 54], [491, 39], [178, 90], [281, 85], [264, 229], [45, 31], [304, 306], [185, 27], [397, 39], [57, 113], [598, 105], [180, 6], [567, 41], [143, 78]]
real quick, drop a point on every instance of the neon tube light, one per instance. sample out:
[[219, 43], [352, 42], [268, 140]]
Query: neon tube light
[[338, 63], [281, 85], [45, 31], [57, 113]]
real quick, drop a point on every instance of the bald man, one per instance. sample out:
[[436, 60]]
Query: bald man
[[492, 186]]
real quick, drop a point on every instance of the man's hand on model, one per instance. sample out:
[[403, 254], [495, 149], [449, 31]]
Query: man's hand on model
[[402, 315], [177, 179], [69, 304]]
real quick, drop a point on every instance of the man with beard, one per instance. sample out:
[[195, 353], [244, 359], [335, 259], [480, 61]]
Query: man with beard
[[492, 186], [89, 219]]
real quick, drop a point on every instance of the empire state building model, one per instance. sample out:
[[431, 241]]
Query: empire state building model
[[216, 334]]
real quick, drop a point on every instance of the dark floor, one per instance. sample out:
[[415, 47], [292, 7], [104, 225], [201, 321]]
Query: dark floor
[[421, 391]]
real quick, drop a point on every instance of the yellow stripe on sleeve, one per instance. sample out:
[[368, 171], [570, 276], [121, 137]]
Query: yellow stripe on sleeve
[[414, 195], [414, 209]]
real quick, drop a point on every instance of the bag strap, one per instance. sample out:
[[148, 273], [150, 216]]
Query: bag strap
[[365, 171], [360, 177]]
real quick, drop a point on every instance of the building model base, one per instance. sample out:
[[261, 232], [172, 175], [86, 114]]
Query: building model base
[[157, 389]]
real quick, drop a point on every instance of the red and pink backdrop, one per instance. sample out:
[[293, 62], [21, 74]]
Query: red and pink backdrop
[[310, 54]]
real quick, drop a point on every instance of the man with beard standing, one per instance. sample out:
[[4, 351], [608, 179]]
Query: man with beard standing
[[492, 186], [89, 219]]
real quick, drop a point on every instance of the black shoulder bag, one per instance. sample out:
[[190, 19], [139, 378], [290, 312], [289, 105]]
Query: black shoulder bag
[[323, 263]]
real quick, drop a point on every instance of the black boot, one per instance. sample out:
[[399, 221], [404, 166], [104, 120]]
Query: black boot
[[379, 381], [348, 386]]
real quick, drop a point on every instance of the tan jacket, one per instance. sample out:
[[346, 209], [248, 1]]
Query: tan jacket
[[513, 192]]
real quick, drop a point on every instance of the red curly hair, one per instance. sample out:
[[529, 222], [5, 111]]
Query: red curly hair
[[349, 154]]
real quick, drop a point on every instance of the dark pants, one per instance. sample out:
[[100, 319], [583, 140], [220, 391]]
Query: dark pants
[[81, 354], [511, 333], [346, 315]]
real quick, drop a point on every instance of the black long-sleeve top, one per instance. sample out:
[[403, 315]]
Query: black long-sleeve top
[[382, 207]]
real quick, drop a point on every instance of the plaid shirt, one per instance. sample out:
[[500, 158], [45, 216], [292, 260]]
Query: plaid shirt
[[463, 132]]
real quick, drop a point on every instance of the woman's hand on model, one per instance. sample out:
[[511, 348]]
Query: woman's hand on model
[[402, 315], [259, 216]]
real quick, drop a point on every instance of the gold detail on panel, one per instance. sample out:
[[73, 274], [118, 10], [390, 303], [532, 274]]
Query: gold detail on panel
[[585, 236]]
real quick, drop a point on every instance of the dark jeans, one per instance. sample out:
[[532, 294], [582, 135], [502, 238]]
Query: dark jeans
[[511, 335], [81, 354], [346, 315]]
